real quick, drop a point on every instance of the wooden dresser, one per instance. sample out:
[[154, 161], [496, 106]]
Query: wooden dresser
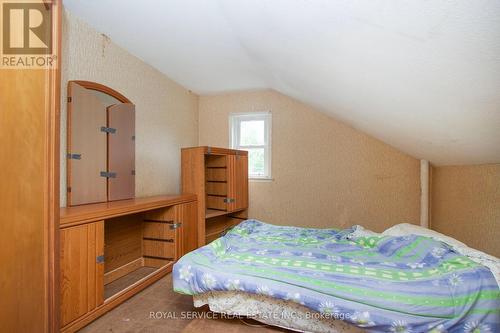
[[219, 177], [110, 251]]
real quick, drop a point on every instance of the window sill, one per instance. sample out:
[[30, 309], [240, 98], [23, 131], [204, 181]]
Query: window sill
[[260, 179]]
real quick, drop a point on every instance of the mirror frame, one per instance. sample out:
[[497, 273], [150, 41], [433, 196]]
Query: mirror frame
[[102, 88]]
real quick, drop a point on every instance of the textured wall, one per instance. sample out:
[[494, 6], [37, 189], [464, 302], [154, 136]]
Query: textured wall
[[325, 172], [423, 76], [466, 205], [166, 113]]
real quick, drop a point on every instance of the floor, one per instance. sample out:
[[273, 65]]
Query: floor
[[159, 309]]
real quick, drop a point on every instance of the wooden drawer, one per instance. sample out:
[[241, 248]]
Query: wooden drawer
[[214, 202], [215, 161], [159, 249], [158, 230], [216, 174], [216, 188]]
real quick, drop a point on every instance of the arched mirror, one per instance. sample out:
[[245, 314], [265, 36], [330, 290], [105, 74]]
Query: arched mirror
[[101, 144]]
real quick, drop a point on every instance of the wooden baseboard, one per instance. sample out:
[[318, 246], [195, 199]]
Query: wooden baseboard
[[117, 299], [119, 272]]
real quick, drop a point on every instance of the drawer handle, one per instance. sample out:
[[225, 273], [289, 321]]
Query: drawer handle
[[229, 200], [99, 259], [175, 226]]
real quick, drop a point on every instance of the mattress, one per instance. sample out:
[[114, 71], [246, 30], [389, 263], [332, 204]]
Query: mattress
[[380, 283], [272, 311]]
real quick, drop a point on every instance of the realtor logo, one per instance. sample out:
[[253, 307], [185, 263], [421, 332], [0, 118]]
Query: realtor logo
[[27, 28], [27, 41]]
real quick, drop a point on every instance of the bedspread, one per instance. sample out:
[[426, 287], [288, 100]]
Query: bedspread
[[381, 283]]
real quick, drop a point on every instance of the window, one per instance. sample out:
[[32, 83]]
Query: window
[[252, 132]]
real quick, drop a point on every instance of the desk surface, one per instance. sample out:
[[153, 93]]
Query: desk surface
[[70, 216]]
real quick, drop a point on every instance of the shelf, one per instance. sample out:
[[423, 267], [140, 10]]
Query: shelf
[[126, 281], [216, 233], [209, 213], [217, 229]]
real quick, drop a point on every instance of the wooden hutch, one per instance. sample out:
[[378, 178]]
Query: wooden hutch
[[219, 177]]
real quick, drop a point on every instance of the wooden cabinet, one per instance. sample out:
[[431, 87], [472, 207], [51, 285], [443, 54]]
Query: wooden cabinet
[[162, 236], [29, 162], [121, 151], [86, 146], [82, 270], [220, 179], [237, 182], [187, 215], [171, 233], [101, 144], [111, 251]]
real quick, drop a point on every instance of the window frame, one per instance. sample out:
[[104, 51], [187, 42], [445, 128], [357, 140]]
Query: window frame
[[235, 120]]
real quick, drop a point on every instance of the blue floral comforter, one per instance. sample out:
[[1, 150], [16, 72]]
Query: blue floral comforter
[[383, 284]]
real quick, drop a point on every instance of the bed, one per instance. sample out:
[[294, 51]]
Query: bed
[[331, 280]]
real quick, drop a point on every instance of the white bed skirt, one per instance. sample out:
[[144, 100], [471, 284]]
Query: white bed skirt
[[271, 311]]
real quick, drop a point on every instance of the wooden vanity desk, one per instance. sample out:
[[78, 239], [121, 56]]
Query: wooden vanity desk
[[110, 251]]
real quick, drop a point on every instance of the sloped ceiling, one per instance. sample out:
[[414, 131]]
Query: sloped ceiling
[[420, 75]]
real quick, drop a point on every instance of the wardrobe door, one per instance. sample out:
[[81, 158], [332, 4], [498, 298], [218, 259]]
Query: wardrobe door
[[187, 239], [121, 151], [86, 147], [82, 270], [237, 182]]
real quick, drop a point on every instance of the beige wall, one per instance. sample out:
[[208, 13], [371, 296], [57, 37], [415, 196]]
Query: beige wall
[[166, 116], [325, 172], [466, 205]]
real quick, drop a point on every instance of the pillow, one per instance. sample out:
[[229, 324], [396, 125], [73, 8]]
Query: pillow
[[404, 229]]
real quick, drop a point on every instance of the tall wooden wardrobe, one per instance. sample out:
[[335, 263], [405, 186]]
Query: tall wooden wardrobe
[[219, 177], [29, 195]]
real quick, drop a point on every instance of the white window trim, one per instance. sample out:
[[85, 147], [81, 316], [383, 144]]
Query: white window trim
[[234, 135]]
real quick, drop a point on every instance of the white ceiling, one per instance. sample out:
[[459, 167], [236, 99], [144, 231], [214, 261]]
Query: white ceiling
[[420, 75]]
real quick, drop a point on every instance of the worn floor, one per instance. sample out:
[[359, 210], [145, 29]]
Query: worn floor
[[170, 311]]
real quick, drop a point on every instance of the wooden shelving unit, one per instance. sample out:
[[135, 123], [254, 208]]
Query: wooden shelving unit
[[219, 177], [111, 251]]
